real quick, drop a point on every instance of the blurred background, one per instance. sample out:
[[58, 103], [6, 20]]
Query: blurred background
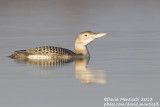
[[128, 56]]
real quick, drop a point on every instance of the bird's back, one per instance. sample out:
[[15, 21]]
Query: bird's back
[[45, 52]]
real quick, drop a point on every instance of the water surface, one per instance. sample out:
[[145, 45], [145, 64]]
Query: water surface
[[125, 63]]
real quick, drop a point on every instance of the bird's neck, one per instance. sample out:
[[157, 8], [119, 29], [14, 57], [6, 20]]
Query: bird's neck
[[81, 49]]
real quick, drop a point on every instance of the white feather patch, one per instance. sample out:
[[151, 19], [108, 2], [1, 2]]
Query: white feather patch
[[39, 57]]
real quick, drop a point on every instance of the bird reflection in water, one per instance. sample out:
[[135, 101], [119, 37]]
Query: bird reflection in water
[[82, 73], [85, 75]]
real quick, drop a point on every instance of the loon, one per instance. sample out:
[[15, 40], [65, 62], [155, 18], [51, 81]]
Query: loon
[[51, 52]]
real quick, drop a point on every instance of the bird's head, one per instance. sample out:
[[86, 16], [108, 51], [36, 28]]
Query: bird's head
[[84, 38]]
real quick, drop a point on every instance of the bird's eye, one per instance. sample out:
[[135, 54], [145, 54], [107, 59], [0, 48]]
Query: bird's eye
[[86, 35]]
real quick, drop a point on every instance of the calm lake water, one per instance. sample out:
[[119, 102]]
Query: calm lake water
[[125, 63]]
